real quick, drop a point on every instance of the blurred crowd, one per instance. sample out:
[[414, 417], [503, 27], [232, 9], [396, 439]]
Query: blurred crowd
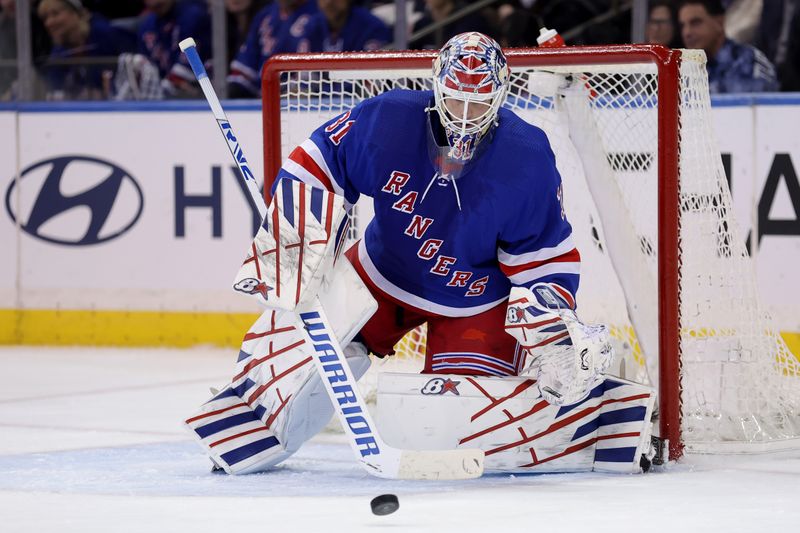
[[128, 49]]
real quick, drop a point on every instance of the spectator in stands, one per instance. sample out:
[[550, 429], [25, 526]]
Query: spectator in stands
[[662, 24], [342, 27], [115, 9], [76, 34], [515, 25], [167, 24], [126, 14], [241, 14], [437, 11], [732, 67], [741, 19], [587, 21], [8, 47], [778, 37], [278, 28]]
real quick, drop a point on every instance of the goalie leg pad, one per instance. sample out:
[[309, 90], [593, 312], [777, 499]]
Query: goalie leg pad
[[519, 431], [234, 436], [276, 400]]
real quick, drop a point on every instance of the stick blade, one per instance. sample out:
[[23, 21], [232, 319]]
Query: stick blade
[[441, 464]]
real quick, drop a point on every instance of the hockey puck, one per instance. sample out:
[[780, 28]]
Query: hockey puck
[[384, 504]]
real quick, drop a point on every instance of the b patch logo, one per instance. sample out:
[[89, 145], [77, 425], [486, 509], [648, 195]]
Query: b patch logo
[[515, 315], [253, 286], [440, 386]]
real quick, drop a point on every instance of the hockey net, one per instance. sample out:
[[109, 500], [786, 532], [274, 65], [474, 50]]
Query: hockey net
[[663, 261]]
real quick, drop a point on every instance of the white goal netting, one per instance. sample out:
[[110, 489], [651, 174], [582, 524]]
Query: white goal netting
[[740, 384]]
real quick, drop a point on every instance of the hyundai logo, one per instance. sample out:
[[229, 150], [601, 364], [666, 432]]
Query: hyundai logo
[[75, 200]]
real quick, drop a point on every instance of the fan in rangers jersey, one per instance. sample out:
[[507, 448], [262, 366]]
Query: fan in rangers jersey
[[341, 26], [278, 28]]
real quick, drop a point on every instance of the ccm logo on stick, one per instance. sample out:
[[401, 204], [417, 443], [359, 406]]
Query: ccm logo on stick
[[341, 385]]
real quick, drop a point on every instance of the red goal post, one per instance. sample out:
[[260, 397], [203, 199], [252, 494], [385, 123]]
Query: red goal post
[[661, 98]]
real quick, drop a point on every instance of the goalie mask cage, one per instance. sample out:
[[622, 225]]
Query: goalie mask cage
[[663, 262]]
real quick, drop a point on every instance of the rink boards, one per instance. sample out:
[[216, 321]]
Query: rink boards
[[127, 224]]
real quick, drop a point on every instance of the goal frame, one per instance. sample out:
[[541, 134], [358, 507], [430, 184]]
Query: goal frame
[[667, 62]]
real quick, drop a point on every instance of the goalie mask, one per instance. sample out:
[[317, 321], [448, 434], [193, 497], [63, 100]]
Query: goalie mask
[[470, 82]]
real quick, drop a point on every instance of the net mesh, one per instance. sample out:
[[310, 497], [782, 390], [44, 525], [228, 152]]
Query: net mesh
[[740, 382]]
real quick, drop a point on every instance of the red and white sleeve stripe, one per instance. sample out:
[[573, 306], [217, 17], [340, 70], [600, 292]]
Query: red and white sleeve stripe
[[521, 269], [307, 163]]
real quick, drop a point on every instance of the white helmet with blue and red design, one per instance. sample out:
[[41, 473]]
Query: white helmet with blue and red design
[[470, 83]]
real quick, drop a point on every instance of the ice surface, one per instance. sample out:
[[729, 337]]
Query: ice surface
[[90, 440]]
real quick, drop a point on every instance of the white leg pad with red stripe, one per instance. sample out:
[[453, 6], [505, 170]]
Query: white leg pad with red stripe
[[276, 400], [608, 431], [234, 436]]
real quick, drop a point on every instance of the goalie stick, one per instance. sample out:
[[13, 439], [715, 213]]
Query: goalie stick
[[372, 452]]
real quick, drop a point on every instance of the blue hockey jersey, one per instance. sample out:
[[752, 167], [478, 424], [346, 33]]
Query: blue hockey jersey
[[362, 31], [159, 39], [449, 255], [273, 31]]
